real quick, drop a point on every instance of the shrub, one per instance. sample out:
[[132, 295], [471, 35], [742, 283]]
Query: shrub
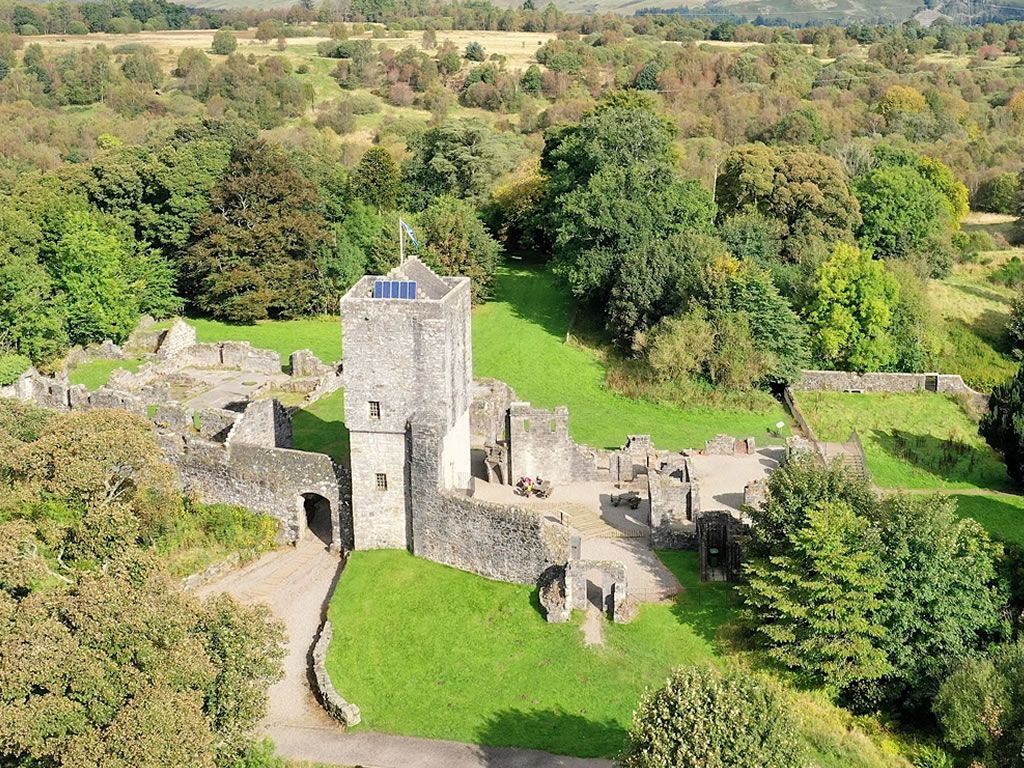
[[11, 367], [224, 42], [338, 117], [475, 52], [998, 194], [704, 717], [1003, 426], [28, 30], [78, 28], [1011, 274], [401, 95]]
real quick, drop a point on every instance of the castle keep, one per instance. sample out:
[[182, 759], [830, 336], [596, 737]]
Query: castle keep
[[408, 356]]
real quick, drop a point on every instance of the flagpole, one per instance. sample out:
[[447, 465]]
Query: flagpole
[[401, 242]]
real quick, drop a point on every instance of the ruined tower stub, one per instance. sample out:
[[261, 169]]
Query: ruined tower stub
[[407, 350]]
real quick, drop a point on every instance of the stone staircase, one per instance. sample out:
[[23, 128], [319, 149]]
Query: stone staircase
[[591, 523], [849, 454]]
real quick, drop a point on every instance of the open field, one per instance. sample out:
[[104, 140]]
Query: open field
[[919, 440], [519, 337], [432, 651]]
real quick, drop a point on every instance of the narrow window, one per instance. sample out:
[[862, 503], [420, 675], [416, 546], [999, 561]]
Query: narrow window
[[382, 481], [374, 409]]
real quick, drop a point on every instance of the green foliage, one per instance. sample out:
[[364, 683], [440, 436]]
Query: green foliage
[[702, 716], [1015, 328], [461, 158], [88, 267], [456, 243], [377, 180], [615, 202], [905, 216], [11, 367], [1010, 274], [805, 191], [999, 194], [256, 257], [224, 42], [941, 603], [475, 52], [852, 315], [815, 606], [1003, 424], [981, 706]]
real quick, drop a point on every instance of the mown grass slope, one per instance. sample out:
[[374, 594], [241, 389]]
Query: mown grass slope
[[431, 651], [519, 337]]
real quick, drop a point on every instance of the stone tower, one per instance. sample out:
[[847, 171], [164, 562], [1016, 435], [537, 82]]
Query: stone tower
[[407, 350]]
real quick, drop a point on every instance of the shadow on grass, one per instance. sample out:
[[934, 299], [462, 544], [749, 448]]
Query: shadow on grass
[[949, 459], [556, 731], [311, 433], [534, 296], [704, 606], [990, 326]]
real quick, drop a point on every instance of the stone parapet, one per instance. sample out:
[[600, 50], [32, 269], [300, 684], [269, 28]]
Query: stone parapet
[[337, 707]]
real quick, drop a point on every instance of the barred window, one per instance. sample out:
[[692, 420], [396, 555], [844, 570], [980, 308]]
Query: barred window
[[374, 409], [382, 481]]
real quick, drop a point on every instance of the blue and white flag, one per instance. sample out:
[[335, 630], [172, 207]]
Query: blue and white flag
[[409, 233]]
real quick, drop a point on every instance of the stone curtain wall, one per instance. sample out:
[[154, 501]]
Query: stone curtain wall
[[267, 480], [541, 446], [492, 540], [674, 509]]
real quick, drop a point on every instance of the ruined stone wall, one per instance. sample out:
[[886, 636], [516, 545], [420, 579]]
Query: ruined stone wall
[[499, 542], [488, 414], [267, 480], [265, 423], [541, 446], [674, 510]]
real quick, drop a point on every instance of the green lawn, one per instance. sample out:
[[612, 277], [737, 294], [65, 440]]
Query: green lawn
[[95, 373], [321, 427], [919, 440], [431, 651], [519, 337], [1001, 515], [321, 335]]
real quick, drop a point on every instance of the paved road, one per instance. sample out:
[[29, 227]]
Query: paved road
[[295, 584]]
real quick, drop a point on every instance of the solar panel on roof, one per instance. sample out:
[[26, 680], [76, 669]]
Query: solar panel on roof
[[394, 289]]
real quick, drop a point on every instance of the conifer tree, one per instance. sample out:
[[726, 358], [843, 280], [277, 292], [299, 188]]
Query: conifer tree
[[815, 605]]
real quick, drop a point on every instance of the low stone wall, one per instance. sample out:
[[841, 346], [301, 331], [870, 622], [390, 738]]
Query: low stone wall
[[337, 707], [614, 592], [504, 543], [798, 415], [846, 381]]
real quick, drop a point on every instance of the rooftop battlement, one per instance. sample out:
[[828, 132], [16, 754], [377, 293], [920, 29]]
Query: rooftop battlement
[[412, 280]]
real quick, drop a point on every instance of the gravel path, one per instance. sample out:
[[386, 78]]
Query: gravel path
[[295, 583]]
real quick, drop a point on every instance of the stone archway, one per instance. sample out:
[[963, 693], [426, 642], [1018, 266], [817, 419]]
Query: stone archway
[[317, 512]]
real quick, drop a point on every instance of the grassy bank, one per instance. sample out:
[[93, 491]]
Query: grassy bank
[[95, 373], [919, 440], [519, 337]]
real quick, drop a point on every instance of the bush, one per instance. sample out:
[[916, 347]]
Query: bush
[[704, 717], [11, 367], [224, 42], [1011, 274], [28, 30], [475, 52], [1003, 427], [78, 28], [998, 194], [338, 117]]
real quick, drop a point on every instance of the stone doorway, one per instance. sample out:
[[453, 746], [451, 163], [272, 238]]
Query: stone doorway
[[317, 510]]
